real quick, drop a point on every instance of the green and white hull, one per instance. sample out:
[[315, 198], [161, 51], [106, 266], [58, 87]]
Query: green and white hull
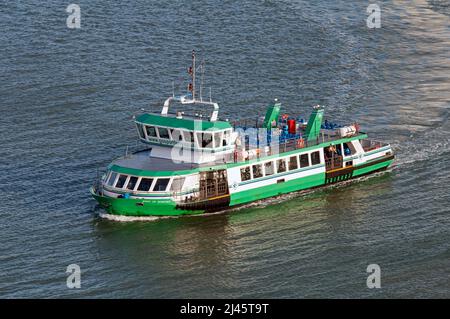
[[194, 164], [240, 191]]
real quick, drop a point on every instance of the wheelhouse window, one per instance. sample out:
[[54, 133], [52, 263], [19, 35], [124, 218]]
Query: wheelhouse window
[[145, 184], [226, 138], [315, 158], [293, 163], [207, 140], [177, 184], [269, 168], [163, 133], [245, 174], [188, 136], [217, 138], [161, 184], [257, 171], [132, 182], [176, 135], [304, 160], [112, 179], [140, 129], [281, 165], [121, 181], [151, 131]]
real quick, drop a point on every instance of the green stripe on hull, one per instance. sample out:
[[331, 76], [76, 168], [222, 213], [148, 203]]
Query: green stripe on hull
[[141, 207], [371, 168], [277, 189], [167, 207]]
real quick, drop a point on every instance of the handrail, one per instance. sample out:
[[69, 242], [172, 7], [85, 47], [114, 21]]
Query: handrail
[[184, 100]]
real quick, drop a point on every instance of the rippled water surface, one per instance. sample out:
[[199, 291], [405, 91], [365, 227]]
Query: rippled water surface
[[67, 98]]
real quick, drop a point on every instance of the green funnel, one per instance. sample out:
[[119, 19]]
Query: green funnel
[[314, 123]]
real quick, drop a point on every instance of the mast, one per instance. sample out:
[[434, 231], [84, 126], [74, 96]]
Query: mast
[[193, 75]]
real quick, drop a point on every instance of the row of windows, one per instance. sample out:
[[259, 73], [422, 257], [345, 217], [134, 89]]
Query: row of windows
[[281, 165], [143, 184], [201, 139]]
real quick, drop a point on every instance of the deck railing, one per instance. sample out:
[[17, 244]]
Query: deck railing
[[370, 145]]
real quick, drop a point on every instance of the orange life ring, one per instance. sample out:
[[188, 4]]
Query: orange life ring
[[300, 143]]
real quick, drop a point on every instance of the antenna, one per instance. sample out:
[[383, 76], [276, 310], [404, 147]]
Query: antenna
[[191, 71], [210, 98], [202, 70], [193, 75]]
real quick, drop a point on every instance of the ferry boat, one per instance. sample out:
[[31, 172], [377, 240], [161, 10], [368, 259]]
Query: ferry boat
[[193, 162]]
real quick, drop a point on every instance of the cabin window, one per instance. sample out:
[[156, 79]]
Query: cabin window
[[151, 131], [161, 184], [349, 149], [293, 163], [188, 136], [177, 184], [140, 129], [281, 165], [163, 133], [145, 184], [245, 173], [315, 158], [269, 168], [112, 179], [121, 181], [304, 160], [257, 171], [132, 182], [176, 135], [217, 139]]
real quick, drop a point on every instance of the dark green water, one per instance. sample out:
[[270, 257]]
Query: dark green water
[[67, 98]]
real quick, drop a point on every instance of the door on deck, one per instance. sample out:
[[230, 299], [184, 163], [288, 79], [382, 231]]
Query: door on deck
[[334, 166], [213, 184], [333, 157]]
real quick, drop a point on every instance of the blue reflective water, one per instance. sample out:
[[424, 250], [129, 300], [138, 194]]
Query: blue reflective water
[[67, 98]]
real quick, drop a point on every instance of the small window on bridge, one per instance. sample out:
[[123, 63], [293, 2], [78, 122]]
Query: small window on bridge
[[217, 138], [188, 136], [163, 133], [176, 135], [226, 138], [207, 140], [151, 131], [140, 129]]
